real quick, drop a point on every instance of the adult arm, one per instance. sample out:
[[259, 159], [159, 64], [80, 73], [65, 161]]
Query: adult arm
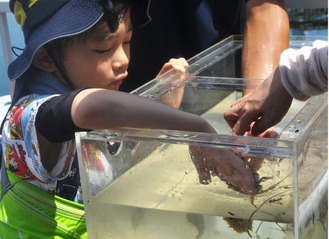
[[304, 72], [266, 36]]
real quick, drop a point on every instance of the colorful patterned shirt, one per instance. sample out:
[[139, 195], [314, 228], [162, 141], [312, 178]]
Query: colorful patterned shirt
[[21, 147]]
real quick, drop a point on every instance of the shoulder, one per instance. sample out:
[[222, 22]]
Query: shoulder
[[22, 113]]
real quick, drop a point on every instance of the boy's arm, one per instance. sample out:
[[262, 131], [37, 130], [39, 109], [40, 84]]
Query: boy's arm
[[104, 109], [101, 109]]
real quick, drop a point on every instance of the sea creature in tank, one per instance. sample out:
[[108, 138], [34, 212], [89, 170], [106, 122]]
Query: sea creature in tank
[[239, 225], [245, 225]]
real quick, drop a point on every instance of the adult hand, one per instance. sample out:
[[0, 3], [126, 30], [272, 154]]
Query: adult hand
[[265, 106], [225, 162]]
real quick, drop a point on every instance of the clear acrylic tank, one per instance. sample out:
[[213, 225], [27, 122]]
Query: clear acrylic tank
[[141, 183]]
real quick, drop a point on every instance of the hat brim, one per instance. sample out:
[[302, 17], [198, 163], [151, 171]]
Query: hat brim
[[74, 18]]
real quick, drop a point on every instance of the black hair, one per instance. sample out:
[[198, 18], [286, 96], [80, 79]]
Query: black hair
[[113, 11]]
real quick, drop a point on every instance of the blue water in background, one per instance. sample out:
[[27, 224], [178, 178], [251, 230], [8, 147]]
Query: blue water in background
[[17, 40]]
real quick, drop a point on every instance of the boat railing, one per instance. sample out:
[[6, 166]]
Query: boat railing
[[5, 37]]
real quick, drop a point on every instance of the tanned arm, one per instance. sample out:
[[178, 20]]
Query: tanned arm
[[266, 36]]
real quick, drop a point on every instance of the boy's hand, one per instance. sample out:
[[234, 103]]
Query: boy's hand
[[226, 163], [174, 97], [179, 65]]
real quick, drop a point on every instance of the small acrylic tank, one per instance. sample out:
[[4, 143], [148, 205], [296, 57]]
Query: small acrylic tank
[[140, 183]]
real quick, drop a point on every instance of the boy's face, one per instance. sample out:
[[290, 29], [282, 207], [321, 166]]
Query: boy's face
[[101, 60]]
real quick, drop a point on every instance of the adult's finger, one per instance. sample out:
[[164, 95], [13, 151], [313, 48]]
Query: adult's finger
[[261, 125], [246, 118], [231, 116]]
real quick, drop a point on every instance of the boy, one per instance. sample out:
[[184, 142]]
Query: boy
[[76, 57]]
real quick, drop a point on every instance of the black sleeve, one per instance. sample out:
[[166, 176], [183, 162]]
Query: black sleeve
[[54, 121]]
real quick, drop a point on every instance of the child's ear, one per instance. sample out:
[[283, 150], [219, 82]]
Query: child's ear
[[42, 61]]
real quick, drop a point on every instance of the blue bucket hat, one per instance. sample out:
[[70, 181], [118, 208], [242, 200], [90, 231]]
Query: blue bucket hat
[[43, 21]]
